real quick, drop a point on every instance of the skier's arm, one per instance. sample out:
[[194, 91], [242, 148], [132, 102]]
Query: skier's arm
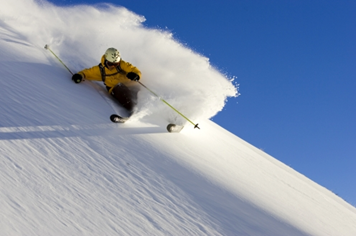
[[91, 73], [133, 73]]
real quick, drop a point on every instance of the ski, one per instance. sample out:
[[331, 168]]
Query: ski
[[174, 128], [171, 128], [118, 119]]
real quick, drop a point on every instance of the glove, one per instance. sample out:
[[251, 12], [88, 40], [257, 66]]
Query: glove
[[77, 78], [133, 76]]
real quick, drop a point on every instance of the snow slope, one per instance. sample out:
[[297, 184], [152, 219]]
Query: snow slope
[[67, 170]]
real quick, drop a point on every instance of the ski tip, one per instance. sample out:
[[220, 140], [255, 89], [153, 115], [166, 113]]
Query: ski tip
[[46, 46], [117, 119], [174, 128]]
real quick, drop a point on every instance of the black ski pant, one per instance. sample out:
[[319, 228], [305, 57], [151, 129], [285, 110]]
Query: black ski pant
[[126, 97]]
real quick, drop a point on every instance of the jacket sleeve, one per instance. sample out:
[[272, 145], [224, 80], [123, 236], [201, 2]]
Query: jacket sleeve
[[127, 67], [92, 73]]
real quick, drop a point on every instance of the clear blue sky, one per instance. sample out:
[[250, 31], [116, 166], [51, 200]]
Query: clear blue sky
[[295, 61]]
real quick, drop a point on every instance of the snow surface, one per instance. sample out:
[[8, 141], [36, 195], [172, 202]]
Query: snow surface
[[67, 170]]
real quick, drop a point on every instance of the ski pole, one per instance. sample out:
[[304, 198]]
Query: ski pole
[[195, 125], [47, 47]]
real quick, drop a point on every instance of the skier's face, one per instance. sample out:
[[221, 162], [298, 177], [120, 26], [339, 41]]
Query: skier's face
[[112, 65]]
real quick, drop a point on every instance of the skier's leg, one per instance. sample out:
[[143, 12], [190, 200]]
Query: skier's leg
[[124, 96]]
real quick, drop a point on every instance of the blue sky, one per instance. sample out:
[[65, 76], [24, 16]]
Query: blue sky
[[295, 61]]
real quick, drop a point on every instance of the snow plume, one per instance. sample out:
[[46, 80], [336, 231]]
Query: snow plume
[[81, 34]]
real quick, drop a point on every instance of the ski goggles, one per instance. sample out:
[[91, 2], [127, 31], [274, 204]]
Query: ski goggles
[[110, 64]]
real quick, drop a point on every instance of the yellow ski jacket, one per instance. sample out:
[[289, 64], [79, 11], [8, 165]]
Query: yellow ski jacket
[[113, 76]]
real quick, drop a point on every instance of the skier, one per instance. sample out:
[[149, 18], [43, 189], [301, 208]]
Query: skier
[[118, 77]]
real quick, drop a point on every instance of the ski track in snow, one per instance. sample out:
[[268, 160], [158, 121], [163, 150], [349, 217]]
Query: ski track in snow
[[65, 169]]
